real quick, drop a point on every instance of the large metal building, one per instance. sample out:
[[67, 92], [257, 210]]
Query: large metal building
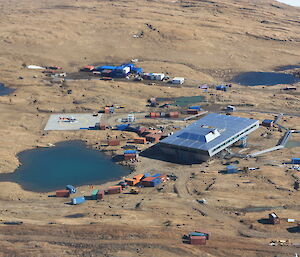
[[207, 136]]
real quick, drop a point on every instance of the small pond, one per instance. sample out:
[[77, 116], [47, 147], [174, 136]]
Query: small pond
[[71, 162], [5, 90], [183, 101], [264, 78]]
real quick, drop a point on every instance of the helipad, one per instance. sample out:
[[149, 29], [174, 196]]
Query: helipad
[[72, 121]]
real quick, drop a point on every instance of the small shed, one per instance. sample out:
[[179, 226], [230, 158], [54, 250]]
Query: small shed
[[268, 123], [177, 80]]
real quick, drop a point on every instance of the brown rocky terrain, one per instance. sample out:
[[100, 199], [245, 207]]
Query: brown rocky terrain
[[203, 41]]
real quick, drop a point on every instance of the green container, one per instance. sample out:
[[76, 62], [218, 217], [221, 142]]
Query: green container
[[94, 194]]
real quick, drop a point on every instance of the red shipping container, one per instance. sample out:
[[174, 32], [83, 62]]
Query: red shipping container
[[197, 240], [174, 114], [152, 114], [114, 190], [154, 138], [129, 156], [141, 130], [113, 142], [106, 110], [102, 127], [62, 193], [100, 194]]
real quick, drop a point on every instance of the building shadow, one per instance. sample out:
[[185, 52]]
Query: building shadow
[[154, 152]]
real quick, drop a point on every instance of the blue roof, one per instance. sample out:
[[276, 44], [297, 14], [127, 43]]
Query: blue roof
[[230, 167], [268, 121], [193, 136]]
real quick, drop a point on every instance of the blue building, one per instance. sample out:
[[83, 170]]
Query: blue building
[[207, 136]]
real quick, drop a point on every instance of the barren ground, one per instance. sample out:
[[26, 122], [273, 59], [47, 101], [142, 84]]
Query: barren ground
[[203, 41]]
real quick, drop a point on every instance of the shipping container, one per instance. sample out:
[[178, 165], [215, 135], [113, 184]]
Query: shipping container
[[206, 235], [129, 157], [195, 107], [131, 182], [106, 110], [173, 114], [100, 194], [78, 200], [62, 193], [192, 111], [130, 152], [154, 138], [94, 194], [71, 189], [140, 140], [114, 190], [197, 240], [204, 232], [113, 142], [177, 80], [123, 184], [141, 130], [138, 177], [102, 127], [295, 160], [152, 114]]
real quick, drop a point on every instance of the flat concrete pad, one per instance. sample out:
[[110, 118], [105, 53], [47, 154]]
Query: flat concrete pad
[[81, 121]]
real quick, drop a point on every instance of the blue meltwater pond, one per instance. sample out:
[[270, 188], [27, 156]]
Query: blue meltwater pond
[[71, 162], [264, 78]]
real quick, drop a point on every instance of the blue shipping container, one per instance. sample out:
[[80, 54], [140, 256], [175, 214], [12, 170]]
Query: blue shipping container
[[156, 182], [71, 189], [122, 127], [156, 175], [295, 160], [101, 68], [130, 152], [196, 107], [197, 234], [78, 200]]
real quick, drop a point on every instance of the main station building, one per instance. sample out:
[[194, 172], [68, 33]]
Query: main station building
[[207, 136]]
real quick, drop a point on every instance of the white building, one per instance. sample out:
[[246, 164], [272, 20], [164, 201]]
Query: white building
[[177, 80]]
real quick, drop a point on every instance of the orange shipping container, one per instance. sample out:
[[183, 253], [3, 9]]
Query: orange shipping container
[[138, 177], [131, 182], [140, 140]]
